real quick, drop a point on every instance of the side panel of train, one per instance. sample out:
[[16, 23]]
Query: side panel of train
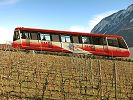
[[97, 45]]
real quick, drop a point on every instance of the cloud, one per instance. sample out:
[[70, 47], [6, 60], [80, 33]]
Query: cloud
[[6, 35], [8, 2], [97, 18], [91, 23]]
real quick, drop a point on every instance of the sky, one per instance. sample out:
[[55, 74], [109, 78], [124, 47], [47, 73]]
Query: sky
[[69, 15]]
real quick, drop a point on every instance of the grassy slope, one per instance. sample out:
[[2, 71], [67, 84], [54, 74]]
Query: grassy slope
[[60, 77]]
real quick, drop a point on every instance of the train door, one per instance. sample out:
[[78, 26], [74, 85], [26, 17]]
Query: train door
[[88, 46], [34, 41], [46, 43], [56, 44], [66, 43], [100, 45], [105, 46], [77, 46], [113, 46], [25, 40]]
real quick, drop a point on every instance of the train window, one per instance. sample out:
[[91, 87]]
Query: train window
[[122, 43], [75, 39], [65, 38], [34, 36], [25, 35], [38, 35], [80, 39], [16, 36], [113, 42], [85, 40], [104, 41], [55, 38], [45, 37], [99, 40]]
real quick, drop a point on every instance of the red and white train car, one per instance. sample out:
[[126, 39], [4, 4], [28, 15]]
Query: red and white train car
[[71, 42]]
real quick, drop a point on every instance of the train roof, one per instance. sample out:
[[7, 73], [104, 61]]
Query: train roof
[[67, 32]]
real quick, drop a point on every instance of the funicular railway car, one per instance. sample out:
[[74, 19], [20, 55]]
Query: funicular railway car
[[70, 42]]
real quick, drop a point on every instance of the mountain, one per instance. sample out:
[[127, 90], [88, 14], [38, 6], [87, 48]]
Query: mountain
[[119, 23]]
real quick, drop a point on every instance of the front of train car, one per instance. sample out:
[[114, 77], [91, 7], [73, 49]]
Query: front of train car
[[20, 40], [118, 47], [124, 47], [16, 39]]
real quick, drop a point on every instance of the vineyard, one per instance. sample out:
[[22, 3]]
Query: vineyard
[[27, 76]]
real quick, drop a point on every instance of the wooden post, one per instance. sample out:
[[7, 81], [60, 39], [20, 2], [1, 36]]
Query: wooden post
[[92, 77], [100, 79], [115, 79]]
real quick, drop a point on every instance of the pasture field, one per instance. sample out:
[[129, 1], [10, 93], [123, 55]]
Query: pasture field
[[27, 76]]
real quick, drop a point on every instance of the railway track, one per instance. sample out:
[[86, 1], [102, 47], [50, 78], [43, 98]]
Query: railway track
[[83, 56]]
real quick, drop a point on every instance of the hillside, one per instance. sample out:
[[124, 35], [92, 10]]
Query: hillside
[[120, 23], [28, 76]]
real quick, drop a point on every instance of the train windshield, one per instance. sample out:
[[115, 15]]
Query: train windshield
[[117, 42], [16, 36], [122, 43]]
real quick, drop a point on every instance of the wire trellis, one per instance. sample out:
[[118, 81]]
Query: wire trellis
[[40, 77]]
